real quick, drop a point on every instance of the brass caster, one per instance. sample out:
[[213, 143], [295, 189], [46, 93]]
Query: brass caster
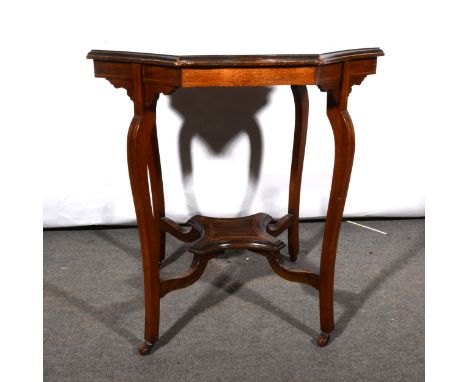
[[145, 348], [322, 339]]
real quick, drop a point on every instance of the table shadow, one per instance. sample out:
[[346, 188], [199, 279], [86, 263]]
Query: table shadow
[[224, 285], [217, 116]]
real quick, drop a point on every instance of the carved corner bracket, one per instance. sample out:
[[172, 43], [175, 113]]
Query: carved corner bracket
[[143, 89], [338, 79], [336, 90], [152, 91], [123, 83]]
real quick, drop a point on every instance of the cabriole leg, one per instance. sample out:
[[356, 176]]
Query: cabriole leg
[[140, 151], [343, 133]]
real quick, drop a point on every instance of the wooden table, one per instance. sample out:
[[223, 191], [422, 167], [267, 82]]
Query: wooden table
[[146, 76]]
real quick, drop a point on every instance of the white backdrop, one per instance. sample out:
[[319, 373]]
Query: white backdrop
[[85, 179]]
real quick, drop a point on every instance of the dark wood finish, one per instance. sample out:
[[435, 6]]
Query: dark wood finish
[[187, 236], [145, 76], [227, 61], [274, 229], [186, 279], [322, 339], [343, 133], [330, 77], [293, 275], [145, 348], [301, 101], [220, 234], [157, 190], [142, 161]]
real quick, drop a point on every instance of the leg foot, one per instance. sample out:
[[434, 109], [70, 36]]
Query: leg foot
[[322, 339], [145, 348]]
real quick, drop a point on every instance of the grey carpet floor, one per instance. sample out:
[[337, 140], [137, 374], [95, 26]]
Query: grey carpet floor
[[240, 321]]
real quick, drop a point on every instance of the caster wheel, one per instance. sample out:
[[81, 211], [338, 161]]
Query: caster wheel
[[322, 339], [145, 348]]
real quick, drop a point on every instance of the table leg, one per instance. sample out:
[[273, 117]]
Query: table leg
[[157, 191], [143, 158], [301, 102], [343, 133]]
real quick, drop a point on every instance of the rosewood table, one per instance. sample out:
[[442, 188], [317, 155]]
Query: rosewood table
[[146, 76]]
